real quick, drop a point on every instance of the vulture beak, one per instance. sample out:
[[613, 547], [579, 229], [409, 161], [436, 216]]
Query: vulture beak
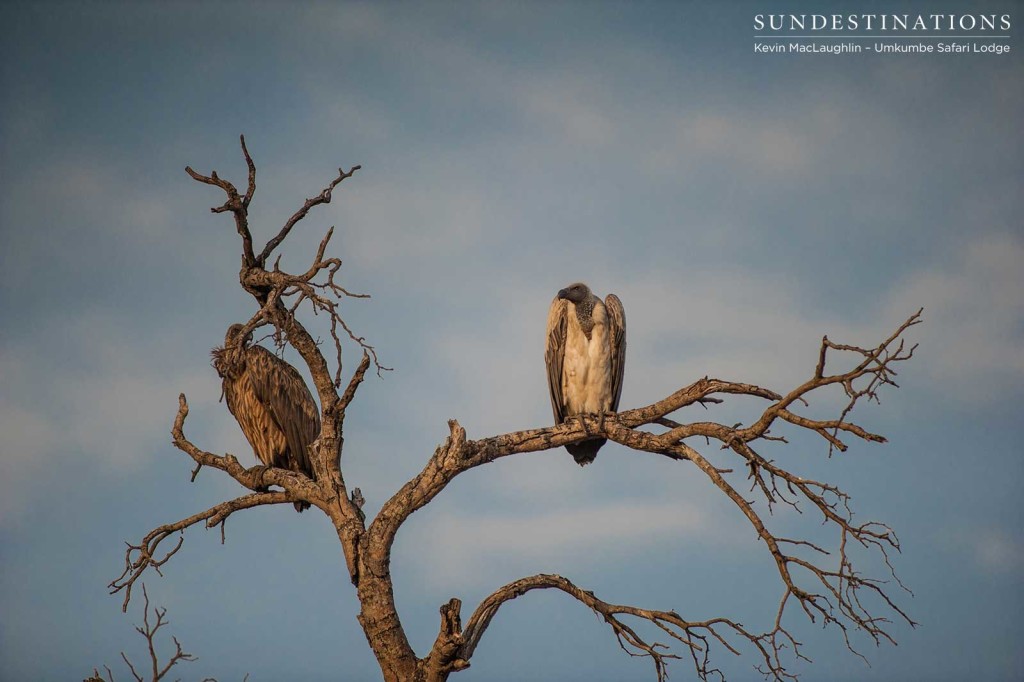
[[563, 293]]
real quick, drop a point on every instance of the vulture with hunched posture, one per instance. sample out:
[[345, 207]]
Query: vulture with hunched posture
[[585, 354], [271, 403]]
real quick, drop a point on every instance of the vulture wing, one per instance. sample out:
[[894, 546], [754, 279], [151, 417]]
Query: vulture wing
[[617, 343], [554, 354], [281, 389]]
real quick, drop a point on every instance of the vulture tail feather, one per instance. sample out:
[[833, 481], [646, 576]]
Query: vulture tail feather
[[585, 452]]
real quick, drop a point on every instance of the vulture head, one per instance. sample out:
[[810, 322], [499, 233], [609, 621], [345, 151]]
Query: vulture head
[[231, 337], [577, 293], [229, 360]]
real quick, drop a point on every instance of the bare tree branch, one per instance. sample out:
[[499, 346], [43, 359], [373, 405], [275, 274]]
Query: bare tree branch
[[323, 198], [145, 555], [251, 189], [238, 206], [697, 637], [149, 630], [353, 384]]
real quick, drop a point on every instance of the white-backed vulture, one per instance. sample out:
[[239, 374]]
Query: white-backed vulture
[[271, 403], [585, 354]]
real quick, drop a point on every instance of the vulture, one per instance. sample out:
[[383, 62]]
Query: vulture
[[270, 401], [585, 353]]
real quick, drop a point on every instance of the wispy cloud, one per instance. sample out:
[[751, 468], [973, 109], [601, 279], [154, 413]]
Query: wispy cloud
[[465, 550], [975, 317], [412, 223], [105, 401], [991, 550], [28, 445]]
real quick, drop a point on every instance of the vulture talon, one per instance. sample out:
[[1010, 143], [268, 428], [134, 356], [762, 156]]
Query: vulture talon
[[261, 472]]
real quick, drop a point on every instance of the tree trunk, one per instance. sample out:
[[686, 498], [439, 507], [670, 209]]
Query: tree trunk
[[383, 629]]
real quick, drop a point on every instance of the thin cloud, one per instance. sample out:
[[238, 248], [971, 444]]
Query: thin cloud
[[465, 550], [412, 224], [993, 551], [29, 441], [104, 403], [975, 318]]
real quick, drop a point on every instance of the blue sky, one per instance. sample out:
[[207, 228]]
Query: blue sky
[[741, 206]]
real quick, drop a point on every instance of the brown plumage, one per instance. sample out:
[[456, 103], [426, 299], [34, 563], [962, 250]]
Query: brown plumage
[[585, 356], [271, 403]]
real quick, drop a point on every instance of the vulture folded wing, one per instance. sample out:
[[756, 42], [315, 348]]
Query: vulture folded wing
[[280, 387], [617, 341], [554, 354]]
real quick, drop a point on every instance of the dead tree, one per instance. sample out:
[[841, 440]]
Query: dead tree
[[823, 585]]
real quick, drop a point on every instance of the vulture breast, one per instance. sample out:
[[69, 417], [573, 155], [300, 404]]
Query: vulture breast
[[586, 377]]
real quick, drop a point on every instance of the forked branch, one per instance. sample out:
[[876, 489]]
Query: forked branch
[[147, 554], [236, 204], [323, 198], [290, 290], [149, 630]]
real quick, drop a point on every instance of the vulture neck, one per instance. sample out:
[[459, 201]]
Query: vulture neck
[[585, 315], [228, 361]]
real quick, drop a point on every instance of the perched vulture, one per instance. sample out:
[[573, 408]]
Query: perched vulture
[[270, 401], [585, 354]]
